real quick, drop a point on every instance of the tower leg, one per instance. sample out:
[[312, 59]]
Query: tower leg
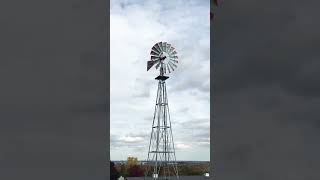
[[161, 154]]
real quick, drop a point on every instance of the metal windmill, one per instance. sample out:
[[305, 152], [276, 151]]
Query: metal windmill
[[161, 155]]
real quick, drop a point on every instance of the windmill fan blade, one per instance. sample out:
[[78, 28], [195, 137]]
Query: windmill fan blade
[[173, 53], [168, 48], [168, 68], [153, 58], [154, 53], [158, 47], [164, 45], [171, 50], [155, 49], [173, 60], [173, 64], [171, 67]]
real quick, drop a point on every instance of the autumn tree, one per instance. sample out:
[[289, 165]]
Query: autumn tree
[[135, 171]]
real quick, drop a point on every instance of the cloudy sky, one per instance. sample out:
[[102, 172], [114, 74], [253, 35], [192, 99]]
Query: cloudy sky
[[135, 27]]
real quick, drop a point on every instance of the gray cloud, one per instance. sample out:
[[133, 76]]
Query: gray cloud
[[132, 140], [199, 123]]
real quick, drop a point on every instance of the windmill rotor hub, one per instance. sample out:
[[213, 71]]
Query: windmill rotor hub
[[164, 55]]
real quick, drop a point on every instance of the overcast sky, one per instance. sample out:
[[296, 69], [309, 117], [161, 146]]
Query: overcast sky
[[135, 27]]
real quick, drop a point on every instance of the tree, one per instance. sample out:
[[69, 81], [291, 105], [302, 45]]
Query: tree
[[123, 170], [135, 171], [114, 174]]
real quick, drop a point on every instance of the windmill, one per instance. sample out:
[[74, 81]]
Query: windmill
[[161, 154]]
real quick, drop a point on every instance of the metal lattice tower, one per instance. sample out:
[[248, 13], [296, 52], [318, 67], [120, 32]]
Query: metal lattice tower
[[161, 155]]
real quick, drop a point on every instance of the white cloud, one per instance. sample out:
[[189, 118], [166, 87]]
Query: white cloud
[[129, 139], [135, 26], [181, 145]]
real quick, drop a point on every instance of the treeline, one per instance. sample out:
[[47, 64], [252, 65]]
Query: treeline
[[193, 170], [130, 171], [137, 170]]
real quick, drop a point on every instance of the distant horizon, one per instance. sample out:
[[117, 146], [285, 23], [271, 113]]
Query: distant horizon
[[176, 160]]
